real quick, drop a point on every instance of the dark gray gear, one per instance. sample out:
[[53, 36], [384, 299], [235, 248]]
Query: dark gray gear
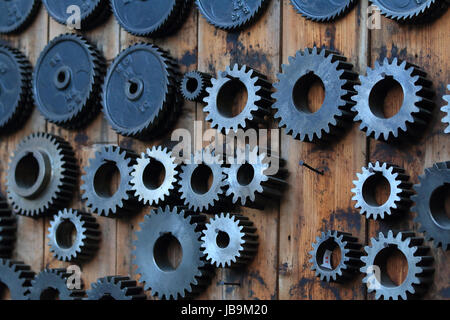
[[155, 176], [193, 85], [349, 262], [51, 284], [411, 11], [73, 235], [115, 288], [229, 240], [219, 101], [16, 276], [8, 229], [364, 192], [15, 16], [416, 107], [430, 204], [158, 230], [337, 77], [98, 178], [197, 194], [42, 175], [420, 268], [446, 109], [322, 10]]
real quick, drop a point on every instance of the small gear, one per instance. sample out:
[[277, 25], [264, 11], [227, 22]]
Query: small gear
[[322, 10], [159, 229], [15, 16], [8, 229], [115, 288], [364, 192], [140, 94], [446, 109], [98, 178], [231, 15], [15, 89], [73, 235], [42, 175], [220, 108], [52, 284], [420, 268], [194, 84], [349, 262], [430, 204], [195, 189], [416, 107], [229, 241], [411, 11], [16, 276], [307, 67], [155, 176], [67, 81]]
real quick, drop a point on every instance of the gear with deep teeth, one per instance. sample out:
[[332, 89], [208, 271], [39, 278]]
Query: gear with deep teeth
[[15, 16], [322, 10], [97, 180], [15, 89], [446, 109], [229, 241], [67, 81], [42, 175], [8, 229], [51, 284], [225, 87], [193, 85], [16, 276], [159, 229], [115, 288], [411, 11], [364, 192], [321, 254], [371, 93], [419, 262], [291, 95]]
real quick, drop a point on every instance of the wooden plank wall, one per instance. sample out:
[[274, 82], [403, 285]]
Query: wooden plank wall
[[313, 203]]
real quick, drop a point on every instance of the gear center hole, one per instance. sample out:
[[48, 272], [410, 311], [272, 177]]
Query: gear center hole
[[168, 252], [66, 234], [309, 93], [5, 294], [202, 178], [329, 255], [376, 190], [192, 85], [245, 174], [393, 266], [50, 294], [27, 171], [440, 205], [232, 98], [107, 179], [222, 239], [154, 174], [386, 98]]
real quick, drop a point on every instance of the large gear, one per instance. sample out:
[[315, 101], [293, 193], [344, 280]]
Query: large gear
[[159, 229], [364, 192], [51, 284], [67, 81], [229, 241], [140, 94], [8, 229], [231, 15], [411, 11], [155, 176], [416, 107], [15, 16], [198, 195], [73, 235], [98, 178], [446, 109], [307, 67], [430, 204], [42, 175], [420, 268], [321, 260], [193, 85], [229, 84], [15, 89], [322, 10], [16, 276], [115, 288]]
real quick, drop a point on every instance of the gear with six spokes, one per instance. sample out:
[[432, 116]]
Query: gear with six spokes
[[52, 284], [193, 85], [322, 10], [15, 16], [115, 288], [411, 11], [446, 109], [8, 229], [16, 276]]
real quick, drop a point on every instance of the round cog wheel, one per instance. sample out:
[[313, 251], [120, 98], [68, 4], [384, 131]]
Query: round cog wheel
[[16, 15], [115, 288], [16, 276], [322, 10], [51, 284]]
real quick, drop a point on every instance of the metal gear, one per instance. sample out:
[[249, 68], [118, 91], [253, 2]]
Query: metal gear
[[15, 16], [73, 235], [16, 276], [115, 288], [194, 84], [155, 176], [430, 204], [67, 81], [322, 10], [411, 11], [229, 241], [159, 229], [349, 262], [51, 284], [140, 94], [15, 89], [231, 15], [420, 268], [446, 109], [219, 101], [8, 229], [198, 195], [337, 77], [416, 107], [364, 192], [97, 181], [42, 175]]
